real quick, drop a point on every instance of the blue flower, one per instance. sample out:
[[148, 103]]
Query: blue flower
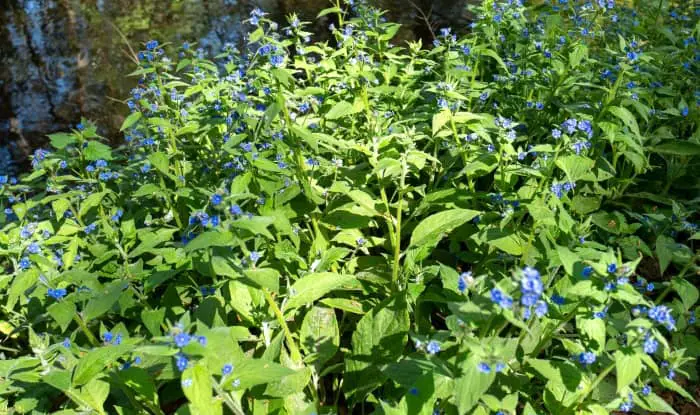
[[662, 315], [612, 268], [433, 347], [497, 297], [684, 111], [146, 167], [181, 362], [107, 337], [57, 293], [66, 343], [151, 44], [556, 133], [216, 199], [227, 369], [463, 281], [500, 367], [254, 256], [181, 339], [236, 210], [646, 390], [25, 263], [650, 345], [34, 248], [587, 272], [90, 228], [586, 358], [484, 367]]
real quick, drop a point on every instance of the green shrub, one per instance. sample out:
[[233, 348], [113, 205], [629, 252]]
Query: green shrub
[[501, 223]]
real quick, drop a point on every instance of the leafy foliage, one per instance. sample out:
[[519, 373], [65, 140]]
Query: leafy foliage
[[501, 223]]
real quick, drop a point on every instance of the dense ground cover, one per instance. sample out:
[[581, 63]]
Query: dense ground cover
[[504, 222]]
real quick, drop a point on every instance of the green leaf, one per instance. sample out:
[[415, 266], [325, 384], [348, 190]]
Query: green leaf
[[95, 394], [577, 55], [209, 239], [435, 227], [130, 120], [594, 329], [313, 286], [139, 381], [251, 372], [153, 319], [319, 335], [62, 312], [197, 387], [257, 225], [62, 140], [627, 117], [96, 151], [472, 385], [103, 301], [628, 367], [328, 11], [686, 291], [558, 372], [341, 109], [380, 337], [95, 361], [654, 402], [567, 258], [440, 119], [263, 277], [664, 251], [159, 160], [576, 167], [677, 148]]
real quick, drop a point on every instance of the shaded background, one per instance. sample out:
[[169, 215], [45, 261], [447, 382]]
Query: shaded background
[[66, 59]]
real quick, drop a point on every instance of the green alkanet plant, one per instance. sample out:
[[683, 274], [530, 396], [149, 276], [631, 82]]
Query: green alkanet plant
[[505, 222]]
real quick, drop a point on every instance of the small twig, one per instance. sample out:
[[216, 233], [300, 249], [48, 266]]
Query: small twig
[[132, 55], [426, 18]]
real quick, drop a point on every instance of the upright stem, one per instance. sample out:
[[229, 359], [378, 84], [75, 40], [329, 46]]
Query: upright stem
[[293, 349]]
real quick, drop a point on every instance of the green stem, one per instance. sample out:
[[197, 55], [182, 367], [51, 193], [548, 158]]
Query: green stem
[[91, 337], [232, 405], [293, 349]]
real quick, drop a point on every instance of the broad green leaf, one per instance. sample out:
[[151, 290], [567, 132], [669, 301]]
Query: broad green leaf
[[197, 386], [686, 291], [96, 151], [95, 362], [664, 251], [567, 258], [319, 335], [63, 312], [313, 286], [435, 227], [209, 239], [62, 140], [130, 120], [677, 148], [440, 119], [341, 109], [262, 277], [251, 372], [380, 337], [655, 403], [576, 167], [627, 117], [159, 160], [628, 367], [103, 301], [257, 225], [472, 384]]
